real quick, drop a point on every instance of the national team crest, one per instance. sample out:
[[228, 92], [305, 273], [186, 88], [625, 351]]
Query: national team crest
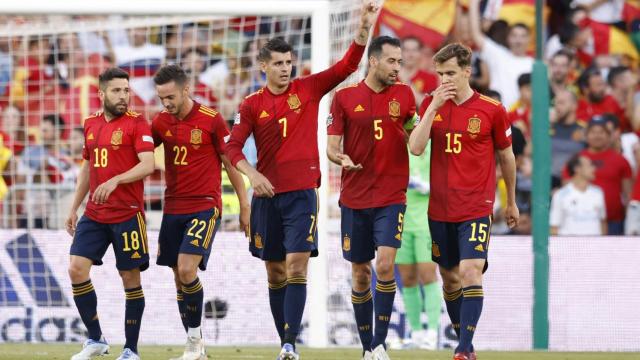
[[435, 250], [473, 127], [116, 138], [346, 243], [293, 101], [257, 241], [196, 137], [394, 109]]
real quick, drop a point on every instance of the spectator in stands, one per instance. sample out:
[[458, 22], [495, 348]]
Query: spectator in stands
[[578, 208], [613, 173], [567, 134], [422, 82], [557, 42], [520, 113], [632, 224], [193, 62], [76, 144], [12, 129], [232, 90], [6, 68], [480, 76], [604, 11], [595, 100], [560, 72], [623, 83], [505, 65], [140, 58]]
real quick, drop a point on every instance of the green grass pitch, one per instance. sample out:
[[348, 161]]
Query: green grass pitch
[[59, 352]]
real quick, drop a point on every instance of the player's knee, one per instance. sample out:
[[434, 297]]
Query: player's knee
[[450, 280], [384, 267], [409, 278], [361, 275], [470, 276], [78, 273], [130, 278], [296, 269], [186, 273]]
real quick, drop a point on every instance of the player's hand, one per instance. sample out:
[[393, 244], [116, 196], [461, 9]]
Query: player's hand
[[70, 223], [512, 215], [444, 92], [261, 185], [245, 218], [369, 12], [347, 163], [103, 191]]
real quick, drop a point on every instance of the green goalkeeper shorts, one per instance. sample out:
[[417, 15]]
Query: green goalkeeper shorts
[[416, 248]]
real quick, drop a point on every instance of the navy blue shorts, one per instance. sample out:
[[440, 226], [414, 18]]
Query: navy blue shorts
[[455, 241], [187, 234], [364, 230], [286, 223], [129, 239]]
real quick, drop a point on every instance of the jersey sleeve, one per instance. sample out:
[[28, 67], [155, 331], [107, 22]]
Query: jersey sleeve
[[322, 82], [626, 169], [335, 121], [555, 213], [157, 140], [143, 141], [242, 128], [501, 130], [85, 150], [411, 119], [425, 104], [219, 134]]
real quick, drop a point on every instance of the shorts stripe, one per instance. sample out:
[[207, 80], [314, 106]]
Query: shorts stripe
[[212, 225], [143, 231]]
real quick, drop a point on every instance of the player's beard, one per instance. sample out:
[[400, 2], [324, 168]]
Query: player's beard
[[387, 79], [596, 98], [116, 109]]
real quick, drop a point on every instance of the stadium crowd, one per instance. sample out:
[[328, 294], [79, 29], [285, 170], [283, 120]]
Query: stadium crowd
[[48, 85]]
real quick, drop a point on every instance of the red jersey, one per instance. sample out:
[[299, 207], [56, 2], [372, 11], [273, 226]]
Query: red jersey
[[192, 149], [285, 126], [424, 82], [112, 148], [464, 138], [586, 110], [373, 128], [635, 193], [611, 169]]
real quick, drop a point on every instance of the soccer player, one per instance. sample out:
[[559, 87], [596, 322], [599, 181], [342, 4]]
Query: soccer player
[[193, 138], [118, 154], [465, 129], [414, 258], [370, 117], [283, 119]]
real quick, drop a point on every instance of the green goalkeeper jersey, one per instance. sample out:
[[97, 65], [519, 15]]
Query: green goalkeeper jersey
[[415, 218]]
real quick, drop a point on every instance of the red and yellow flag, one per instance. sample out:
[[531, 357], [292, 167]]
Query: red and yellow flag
[[429, 20]]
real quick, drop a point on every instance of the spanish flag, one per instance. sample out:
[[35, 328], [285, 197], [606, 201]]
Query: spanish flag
[[607, 40], [519, 11], [429, 20], [631, 11]]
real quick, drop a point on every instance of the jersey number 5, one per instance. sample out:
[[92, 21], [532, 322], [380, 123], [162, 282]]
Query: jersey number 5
[[454, 146], [377, 129]]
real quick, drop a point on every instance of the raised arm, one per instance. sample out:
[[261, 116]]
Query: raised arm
[[474, 21], [326, 80]]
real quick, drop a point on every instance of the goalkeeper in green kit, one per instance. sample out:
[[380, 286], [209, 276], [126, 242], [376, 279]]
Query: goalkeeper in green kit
[[414, 258]]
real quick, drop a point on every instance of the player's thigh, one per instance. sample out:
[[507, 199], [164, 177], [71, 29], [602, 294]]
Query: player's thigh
[[198, 233], [632, 222], [474, 237], [129, 239], [266, 228], [91, 240], [170, 238], [388, 223], [422, 246], [299, 213], [444, 243], [356, 227], [406, 254]]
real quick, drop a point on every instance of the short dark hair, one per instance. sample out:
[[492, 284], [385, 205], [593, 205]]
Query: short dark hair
[[614, 72], [583, 80], [563, 52], [56, 120], [493, 94], [110, 74], [567, 32], [573, 163], [413, 38], [169, 73], [461, 52], [274, 45], [524, 79], [375, 47]]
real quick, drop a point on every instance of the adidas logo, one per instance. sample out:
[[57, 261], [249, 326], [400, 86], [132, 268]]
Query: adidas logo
[[479, 248], [437, 118], [358, 108], [168, 133], [398, 237], [90, 137], [310, 238], [194, 242], [264, 114], [135, 255]]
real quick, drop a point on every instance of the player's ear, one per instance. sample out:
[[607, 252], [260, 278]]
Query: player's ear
[[101, 95], [263, 66]]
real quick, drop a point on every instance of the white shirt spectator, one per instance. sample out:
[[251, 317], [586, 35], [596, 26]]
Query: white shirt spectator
[[608, 12], [504, 68], [577, 212]]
